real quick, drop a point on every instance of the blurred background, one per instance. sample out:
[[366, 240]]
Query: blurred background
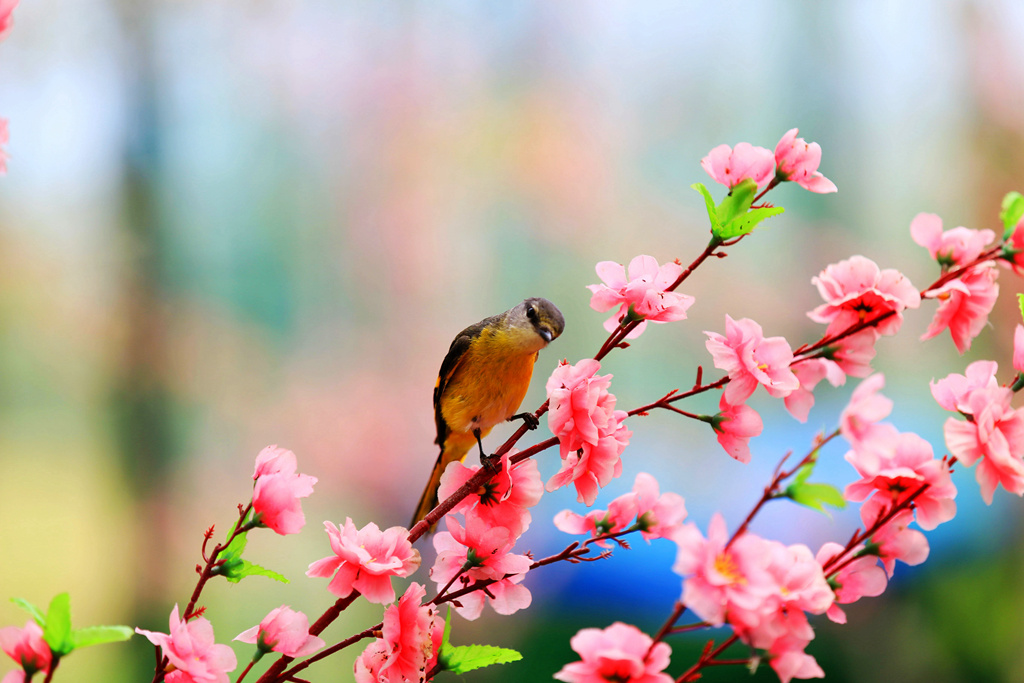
[[228, 224]]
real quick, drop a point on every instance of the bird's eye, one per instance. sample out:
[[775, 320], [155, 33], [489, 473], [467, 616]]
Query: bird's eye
[[531, 312]]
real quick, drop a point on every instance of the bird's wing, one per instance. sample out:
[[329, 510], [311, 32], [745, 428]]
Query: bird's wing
[[449, 366]]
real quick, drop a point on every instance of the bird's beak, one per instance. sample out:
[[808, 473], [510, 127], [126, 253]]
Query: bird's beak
[[546, 333]]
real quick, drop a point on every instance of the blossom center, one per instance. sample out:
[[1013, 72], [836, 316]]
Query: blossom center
[[725, 565]]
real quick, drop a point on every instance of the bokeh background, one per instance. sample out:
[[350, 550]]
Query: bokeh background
[[228, 224]]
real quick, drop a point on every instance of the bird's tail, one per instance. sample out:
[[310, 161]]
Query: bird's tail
[[454, 449]]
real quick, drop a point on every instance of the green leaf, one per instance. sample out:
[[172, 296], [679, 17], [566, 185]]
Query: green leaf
[[737, 202], [804, 472], [741, 225], [57, 629], [1012, 212], [34, 611], [243, 568], [1020, 302], [447, 629], [815, 496], [234, 568], [709, 203], [463, 658], [97, 635]]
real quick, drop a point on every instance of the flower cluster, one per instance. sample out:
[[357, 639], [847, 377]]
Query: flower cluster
[[618, 653], [645, 508], [762, 588], [643, 293], [794, 160], [408, 644], [190, 649], [278, 488], [590, 431], [751, 360], [993, 433], [365, 559], [479, 547], [26, 647]]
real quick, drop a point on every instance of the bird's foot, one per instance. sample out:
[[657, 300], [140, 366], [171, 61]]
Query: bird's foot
[[491, 463], [529, 419]]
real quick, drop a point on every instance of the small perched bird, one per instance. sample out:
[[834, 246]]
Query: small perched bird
[[483, 379]]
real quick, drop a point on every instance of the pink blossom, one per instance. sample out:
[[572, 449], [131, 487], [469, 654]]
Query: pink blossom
[[504, 499], [731, 166], [797, 160], [580, 406], [593, 466], [750, 359], [487, 552], [994, 434], [643, 291], [659, 515], [619, 516], [278, 488], [798, 586], [411, 637], [6, 17], [809, 373], [26, 647], [859, 421], [857, 290], [656, 515], [899, 470], [192, 652], [720, 579], [789, 661], [956, 247], [953, 391], [1018, 348], [591, 432], [858, 579], [853, 354], [895, 540], [274, 460], [735, 426], [620, 653], [283, 630], [964, 305], [365, 560]]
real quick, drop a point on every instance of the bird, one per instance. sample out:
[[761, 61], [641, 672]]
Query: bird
[[483, 380]]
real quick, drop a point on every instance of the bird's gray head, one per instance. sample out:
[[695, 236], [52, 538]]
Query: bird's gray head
[[542, 315]]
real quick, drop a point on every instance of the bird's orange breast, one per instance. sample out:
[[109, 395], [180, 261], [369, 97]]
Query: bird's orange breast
[[489, 384]]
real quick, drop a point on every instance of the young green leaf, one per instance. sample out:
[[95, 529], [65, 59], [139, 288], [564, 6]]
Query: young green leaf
[[34, 611], [243, 568], [229, 559], [709, 203], [462, 658], [737, 202], [97, 635], [1020, 302], [57, 629], [815, 496], [804, 472], [745, 223]]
